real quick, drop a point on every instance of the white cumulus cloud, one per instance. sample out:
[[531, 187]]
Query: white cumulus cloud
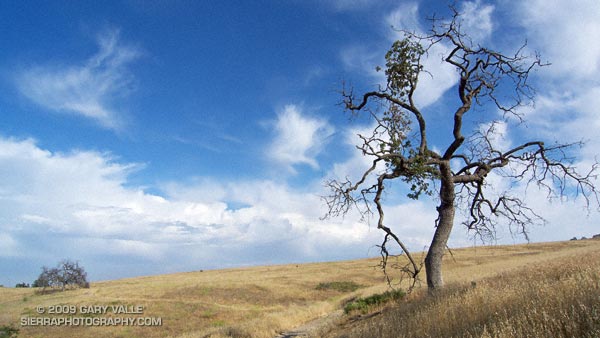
[[81, 205]]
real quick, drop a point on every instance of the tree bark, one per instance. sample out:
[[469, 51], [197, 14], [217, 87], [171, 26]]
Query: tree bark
[[433, 261]]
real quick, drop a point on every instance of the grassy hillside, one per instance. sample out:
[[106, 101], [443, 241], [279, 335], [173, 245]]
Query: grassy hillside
[[262, 301], [558, 297]]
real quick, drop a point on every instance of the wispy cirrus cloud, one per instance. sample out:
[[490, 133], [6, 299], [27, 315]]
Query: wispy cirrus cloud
[[566, 33], [351, 5], [299, 139], [88, 89], [476, 18], [567, 101]]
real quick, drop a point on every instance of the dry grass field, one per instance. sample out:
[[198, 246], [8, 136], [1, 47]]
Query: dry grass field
[[498, 291], [550, 297]]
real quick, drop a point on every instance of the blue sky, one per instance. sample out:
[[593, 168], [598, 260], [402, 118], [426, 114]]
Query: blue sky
[[146, 137]]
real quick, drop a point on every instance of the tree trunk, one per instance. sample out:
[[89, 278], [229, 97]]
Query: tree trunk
[[433, 261]]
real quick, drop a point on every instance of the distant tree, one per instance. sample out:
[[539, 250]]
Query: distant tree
[[22, 285], [43, 280], [455, 174], [70, 273], [66, 274]]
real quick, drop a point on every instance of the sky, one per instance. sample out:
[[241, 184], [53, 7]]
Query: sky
[[150, 137]]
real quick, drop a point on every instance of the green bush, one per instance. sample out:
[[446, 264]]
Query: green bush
[[365, 304], [339, 286], [8, 332]]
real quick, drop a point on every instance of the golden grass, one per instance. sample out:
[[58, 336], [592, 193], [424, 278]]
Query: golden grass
[[262, 301], [256, 302], [558, 297]]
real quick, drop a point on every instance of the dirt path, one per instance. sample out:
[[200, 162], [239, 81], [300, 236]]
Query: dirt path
[[314, 328]]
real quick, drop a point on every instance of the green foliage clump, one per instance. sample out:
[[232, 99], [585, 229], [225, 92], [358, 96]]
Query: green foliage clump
[[8, 332], [365, 304], [403, 63], [339, 286]]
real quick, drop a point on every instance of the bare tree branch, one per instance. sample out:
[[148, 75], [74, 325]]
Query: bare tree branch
[[489, 80]]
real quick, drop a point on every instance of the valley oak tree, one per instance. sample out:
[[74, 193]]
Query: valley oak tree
[[492, 87], [66, 274]]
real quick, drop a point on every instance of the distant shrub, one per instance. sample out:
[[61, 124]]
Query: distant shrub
[[8, 332], [365, 304], [339, 286], [219, 323], [235, 332], [22, 285]]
